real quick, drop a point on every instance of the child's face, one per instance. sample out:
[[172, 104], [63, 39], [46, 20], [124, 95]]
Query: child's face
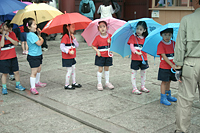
[[167, 36], [5, 27], [71, 28], [140, 30], [33, 27], [102, 28]]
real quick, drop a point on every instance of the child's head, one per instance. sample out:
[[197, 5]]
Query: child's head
[[68, 29], [141, 29], [7, 26], [106, 2], [29, 25], [102, 27], [167, 34]]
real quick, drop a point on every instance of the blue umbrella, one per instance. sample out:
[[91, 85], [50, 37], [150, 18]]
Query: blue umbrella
[[7, 17], [154, 38], [8, 6], [120, 38]]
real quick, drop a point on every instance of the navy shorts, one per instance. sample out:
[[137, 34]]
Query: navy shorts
[[136, 65], [9, 65], [68, 62], [34, 61], [103, 61], [23, 36], [166, 75]]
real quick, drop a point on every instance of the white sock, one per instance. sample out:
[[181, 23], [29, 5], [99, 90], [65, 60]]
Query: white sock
[[133, 78], [99, 76], [73, 74], [32, 82], [143, 77], [107, 76], [37, 78], [69, 71]]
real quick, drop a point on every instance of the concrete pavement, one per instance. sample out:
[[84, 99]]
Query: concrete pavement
[[116, 111]]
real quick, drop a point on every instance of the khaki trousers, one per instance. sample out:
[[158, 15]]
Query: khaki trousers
[[186, 92]]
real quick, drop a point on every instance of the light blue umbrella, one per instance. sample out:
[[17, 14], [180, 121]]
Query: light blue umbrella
[[154, 38], [121, 36]]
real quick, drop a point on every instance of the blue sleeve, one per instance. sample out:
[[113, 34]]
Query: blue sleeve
[[80, 5], [33, 38], [92, 6]]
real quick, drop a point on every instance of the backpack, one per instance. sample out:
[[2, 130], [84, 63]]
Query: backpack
[[85, 7]]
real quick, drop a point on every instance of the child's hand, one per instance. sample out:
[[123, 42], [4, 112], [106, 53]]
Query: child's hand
[[98, 54], [71, 52], [173, 67], [138, 53], [72, 35], [108, 40], [38, 31]]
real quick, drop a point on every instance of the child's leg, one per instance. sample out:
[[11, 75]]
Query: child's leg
[[73, 74], [33, 80], [18, 84], [163, 98], [4, 88], [168, 93], [26, 46], [99, 77], [107, 84], [143, 78], [23, 49], [37, 80], [67, 78], [133, 81]]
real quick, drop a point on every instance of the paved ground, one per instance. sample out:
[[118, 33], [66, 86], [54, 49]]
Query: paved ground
[[87, 110]]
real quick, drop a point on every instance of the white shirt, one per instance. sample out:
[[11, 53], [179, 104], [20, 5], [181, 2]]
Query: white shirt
[[106, 11]]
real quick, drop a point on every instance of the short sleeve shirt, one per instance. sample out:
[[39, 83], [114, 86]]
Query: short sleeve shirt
[[33, 48]]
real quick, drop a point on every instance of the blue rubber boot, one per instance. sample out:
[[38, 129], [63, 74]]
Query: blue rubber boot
[[163, 99], [169, 97]]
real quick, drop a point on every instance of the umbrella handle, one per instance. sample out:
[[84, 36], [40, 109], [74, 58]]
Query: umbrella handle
[[110, 54], [172, 70], [143, 62]]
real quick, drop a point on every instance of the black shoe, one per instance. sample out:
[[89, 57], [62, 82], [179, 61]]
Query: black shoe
[[69, 87], [76, 85]]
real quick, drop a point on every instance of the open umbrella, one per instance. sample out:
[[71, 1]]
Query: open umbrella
[[120, 38], [8, 6], [40, 12], [56, 25], [153, 39], [91, 31], [25, 2]]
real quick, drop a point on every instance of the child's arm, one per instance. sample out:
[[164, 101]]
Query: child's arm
[[134, 50], [98, 53], [2, 40], [168, 61], [75, 41], [40, 41], [63, 48], [11, 40]]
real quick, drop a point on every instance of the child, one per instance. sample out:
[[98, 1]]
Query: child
[[136, 43], [23, 41], [68, 47], [103, 58], [166, 52], [8, 57], [34, 53], [106, 10]]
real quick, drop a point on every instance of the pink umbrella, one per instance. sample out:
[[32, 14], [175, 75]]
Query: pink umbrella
[[91, 31], [25, 2]]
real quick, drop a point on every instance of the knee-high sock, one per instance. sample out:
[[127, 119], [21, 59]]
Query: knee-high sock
[[107, 76], [32, 82], [133, 78], [99, 76], [73, 74], [143, 77], [37, 78], [69, 71]]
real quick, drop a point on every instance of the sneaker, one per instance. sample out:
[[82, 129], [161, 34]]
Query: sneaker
[[76, 85], [109, 85], [144, 89], [12, 77], [34, 91], [20, 87], [69, 87], [26, 52], [19, 43], [99, 87], [39, 84], [4, 91], [136, 91], [44, 49]]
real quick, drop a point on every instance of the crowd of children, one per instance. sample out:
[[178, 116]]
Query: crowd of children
[[103, 59]]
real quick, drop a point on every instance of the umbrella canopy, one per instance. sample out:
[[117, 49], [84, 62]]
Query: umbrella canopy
[[121, 36], [56, 25], [40, 12], [25, 2], [154, 38], [91, 31], [8, 6]]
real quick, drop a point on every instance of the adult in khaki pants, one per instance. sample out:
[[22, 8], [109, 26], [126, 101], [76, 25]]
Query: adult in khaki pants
[[187, 59]]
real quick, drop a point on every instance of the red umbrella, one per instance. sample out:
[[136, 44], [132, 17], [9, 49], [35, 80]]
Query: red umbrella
[[56, 24]]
